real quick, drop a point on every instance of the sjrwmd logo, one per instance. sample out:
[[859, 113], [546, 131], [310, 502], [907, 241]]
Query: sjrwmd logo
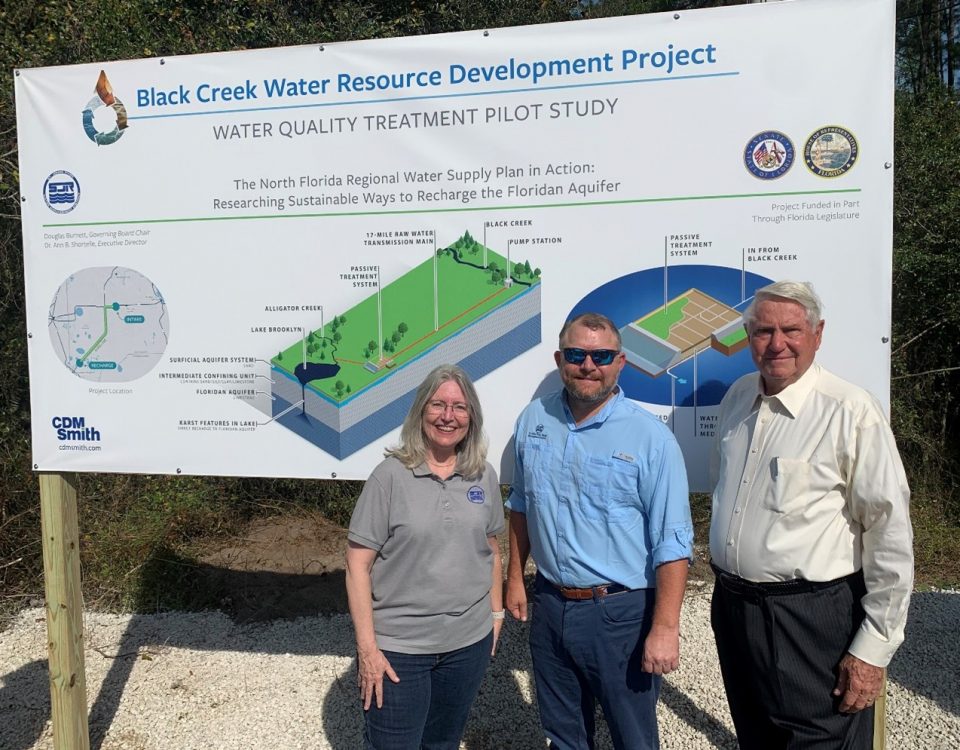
[[104, 117], [74, 430], [61, 192]]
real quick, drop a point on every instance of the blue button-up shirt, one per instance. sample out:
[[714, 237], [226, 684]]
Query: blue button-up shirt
[[606, 501]]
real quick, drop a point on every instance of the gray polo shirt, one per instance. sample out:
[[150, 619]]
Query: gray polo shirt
[[432, 574]]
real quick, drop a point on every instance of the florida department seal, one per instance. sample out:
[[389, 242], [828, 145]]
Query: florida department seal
[[830, 151]]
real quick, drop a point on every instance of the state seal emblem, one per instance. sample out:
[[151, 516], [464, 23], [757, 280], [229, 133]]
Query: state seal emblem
[[769, 155], [830, 151]]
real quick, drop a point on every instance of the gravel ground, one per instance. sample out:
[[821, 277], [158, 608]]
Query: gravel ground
[[184, 681]]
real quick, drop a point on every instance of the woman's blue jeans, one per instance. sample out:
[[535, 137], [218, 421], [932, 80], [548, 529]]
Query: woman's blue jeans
[[428, 708]]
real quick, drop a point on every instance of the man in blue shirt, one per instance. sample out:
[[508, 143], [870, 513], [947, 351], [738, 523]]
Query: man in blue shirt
[[600, 498]]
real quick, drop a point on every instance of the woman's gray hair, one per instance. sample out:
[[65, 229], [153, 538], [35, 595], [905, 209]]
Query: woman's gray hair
[[472, 450], [800, 292]]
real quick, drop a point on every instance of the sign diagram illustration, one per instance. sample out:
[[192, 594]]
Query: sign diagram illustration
[[689, 346], [108, 324], [353, 378]]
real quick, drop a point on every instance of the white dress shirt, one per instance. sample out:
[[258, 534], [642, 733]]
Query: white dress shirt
[[809, 485]]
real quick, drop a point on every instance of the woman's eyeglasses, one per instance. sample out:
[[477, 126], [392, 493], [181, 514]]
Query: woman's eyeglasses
[[440, 407]]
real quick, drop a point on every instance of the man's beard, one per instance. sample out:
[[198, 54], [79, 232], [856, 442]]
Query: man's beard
[[593, 397]]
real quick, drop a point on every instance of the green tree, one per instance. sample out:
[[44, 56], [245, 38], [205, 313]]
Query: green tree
[[926, 308]]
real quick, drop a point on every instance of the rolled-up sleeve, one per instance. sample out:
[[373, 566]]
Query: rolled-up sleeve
[[668, 506], [517, 499]]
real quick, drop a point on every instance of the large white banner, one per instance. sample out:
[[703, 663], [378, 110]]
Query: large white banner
[[244, 263]]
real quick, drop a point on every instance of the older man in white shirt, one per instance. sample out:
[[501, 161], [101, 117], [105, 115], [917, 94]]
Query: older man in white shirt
[[810, 539]]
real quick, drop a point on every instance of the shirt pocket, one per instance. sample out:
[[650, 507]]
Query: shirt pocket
[[790, 484], [537, 462], [608, 491]]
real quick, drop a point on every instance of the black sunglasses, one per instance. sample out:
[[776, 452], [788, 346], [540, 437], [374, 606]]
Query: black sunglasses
[[600, 357]]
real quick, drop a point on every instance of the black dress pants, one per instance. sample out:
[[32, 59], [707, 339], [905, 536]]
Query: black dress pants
[[779, 649]]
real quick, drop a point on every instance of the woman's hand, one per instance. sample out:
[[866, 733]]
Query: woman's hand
[[372, 665], [497, 627]]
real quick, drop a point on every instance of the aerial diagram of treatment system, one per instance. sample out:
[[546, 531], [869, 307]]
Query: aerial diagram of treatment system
[[348, 376]]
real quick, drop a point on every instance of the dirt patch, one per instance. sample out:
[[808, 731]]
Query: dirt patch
[[292, 566], [279, 568]]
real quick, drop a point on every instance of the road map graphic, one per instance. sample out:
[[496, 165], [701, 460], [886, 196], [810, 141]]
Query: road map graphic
[[108, 324]]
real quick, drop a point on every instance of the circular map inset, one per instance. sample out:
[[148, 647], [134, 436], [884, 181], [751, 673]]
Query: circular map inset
[[108, 324]]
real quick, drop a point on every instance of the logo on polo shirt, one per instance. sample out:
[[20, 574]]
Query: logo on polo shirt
[[538, 433], [476, 495]]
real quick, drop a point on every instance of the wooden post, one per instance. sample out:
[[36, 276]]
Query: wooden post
[[880, 717], [61, 573]]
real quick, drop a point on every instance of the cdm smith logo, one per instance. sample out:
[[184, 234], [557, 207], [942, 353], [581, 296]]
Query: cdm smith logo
[[104, 116], [75, 429]]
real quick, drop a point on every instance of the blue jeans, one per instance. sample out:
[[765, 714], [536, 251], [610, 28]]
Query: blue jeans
[[588, 651], [428, 708]]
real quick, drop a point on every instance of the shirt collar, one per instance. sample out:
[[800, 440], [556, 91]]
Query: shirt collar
[[599, 418], [794, 395], [424, 471]]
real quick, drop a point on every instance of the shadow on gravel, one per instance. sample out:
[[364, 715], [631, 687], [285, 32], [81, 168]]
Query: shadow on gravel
[[501, 717], [247, 597], [28, 690], [928, 662]]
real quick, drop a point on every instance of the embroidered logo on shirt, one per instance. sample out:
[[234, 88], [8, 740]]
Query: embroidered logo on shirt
[[623, 456], [538, 433], [476, 494]]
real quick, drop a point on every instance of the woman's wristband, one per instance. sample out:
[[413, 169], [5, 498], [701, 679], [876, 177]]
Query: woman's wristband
[[498, 614]]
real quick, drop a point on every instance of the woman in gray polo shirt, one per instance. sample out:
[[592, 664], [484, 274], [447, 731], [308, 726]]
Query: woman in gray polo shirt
[[424, 572]]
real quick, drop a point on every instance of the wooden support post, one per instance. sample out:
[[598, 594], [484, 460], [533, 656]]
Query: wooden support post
[[61, 572], [880, 717]]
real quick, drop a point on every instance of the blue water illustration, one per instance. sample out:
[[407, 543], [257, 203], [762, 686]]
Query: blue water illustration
[[630, 297]]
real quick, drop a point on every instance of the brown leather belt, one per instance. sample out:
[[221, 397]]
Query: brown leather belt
[[594, 592]]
